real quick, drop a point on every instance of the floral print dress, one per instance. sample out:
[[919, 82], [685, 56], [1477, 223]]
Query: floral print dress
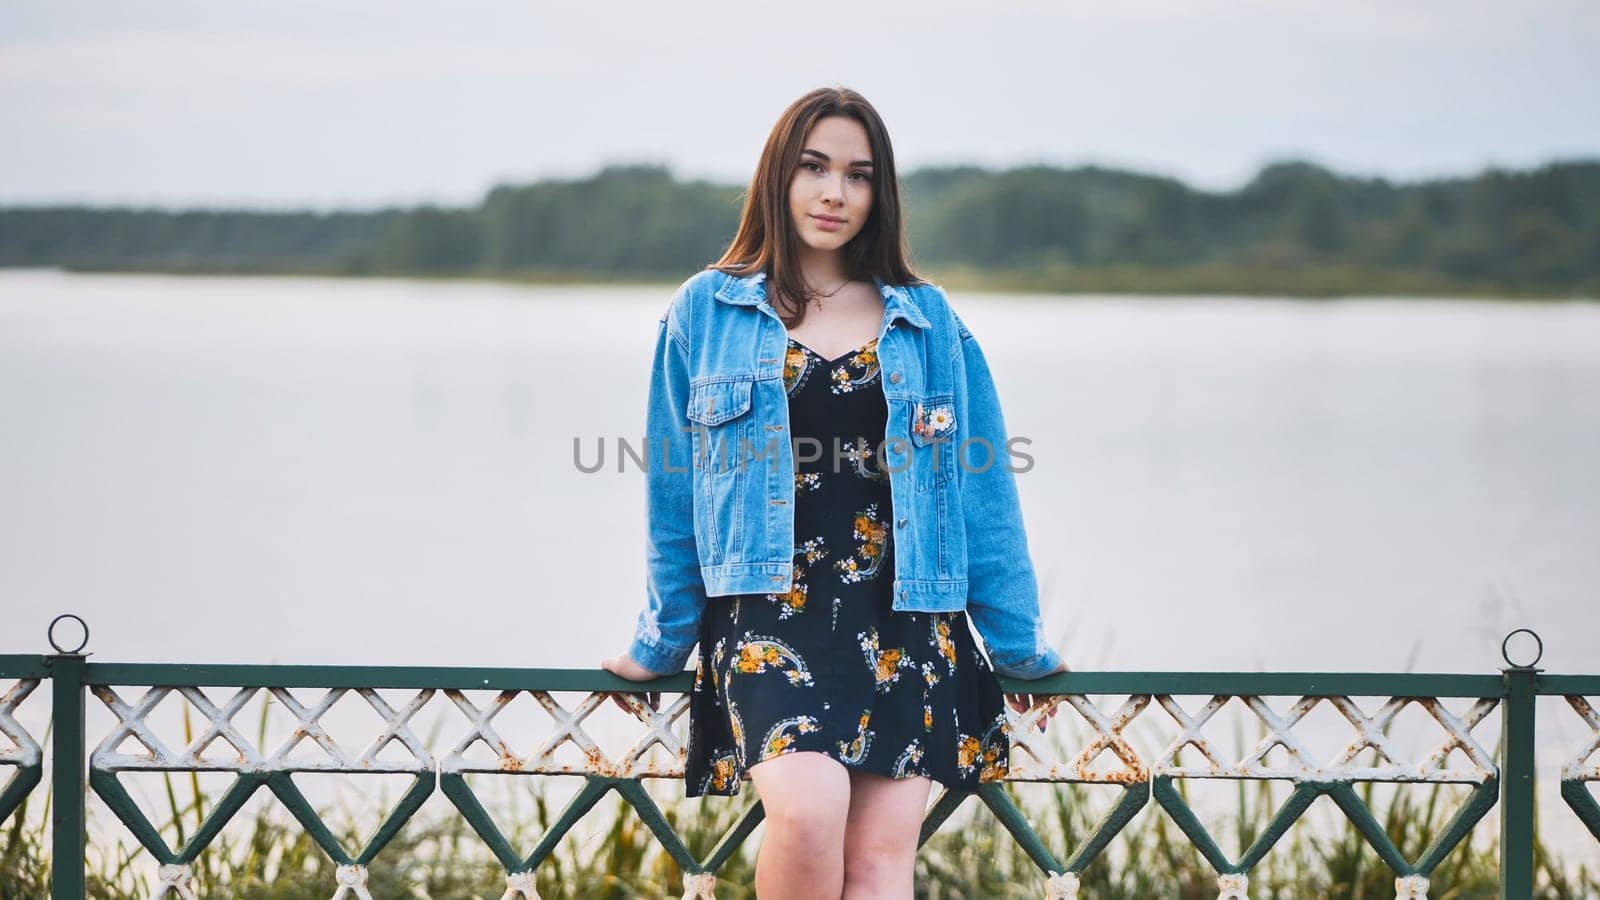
[[828, 665]]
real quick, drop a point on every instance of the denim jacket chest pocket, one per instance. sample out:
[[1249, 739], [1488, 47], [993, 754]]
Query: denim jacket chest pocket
[[719, 416], [915, 387], [717, 400], [931, 427]]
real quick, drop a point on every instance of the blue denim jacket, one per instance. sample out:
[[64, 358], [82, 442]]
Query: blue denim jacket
[[720, 472]]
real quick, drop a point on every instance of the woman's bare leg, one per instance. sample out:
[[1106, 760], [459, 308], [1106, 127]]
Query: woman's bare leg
[[805, 797], [880, 838]]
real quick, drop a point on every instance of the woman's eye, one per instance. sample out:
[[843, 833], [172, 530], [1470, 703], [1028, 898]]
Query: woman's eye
[[810, 166]]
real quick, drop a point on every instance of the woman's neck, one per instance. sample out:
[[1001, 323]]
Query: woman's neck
[[822, 269]]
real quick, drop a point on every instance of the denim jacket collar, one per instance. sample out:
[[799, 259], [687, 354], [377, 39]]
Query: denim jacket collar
[[751, 290]]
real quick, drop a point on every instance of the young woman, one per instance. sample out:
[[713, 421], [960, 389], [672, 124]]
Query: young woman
[[830, 495]]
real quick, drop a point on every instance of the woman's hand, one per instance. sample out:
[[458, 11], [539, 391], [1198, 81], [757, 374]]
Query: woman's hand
[[1023, 702], [624, 667]]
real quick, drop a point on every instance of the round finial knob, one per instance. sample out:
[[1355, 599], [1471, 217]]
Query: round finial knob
[[50, 634], [1538, 649]]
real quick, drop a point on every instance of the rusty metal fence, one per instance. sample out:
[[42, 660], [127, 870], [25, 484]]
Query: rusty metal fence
[[1104, 704]]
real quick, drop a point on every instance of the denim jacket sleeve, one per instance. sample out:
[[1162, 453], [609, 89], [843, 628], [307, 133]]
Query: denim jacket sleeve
[[1002, 592], [668, 626]]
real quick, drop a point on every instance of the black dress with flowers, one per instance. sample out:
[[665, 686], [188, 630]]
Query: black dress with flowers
[[828, 665]]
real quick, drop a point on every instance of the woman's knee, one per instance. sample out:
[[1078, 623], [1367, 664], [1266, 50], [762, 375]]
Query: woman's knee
[[807, 828], [881, 834], [805, 797], [877, 869]]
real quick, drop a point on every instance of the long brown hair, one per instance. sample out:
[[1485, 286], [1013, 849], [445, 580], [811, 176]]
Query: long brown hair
[[766, 239]]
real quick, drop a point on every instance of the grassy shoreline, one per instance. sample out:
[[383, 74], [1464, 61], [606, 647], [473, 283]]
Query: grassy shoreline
[[1312, 282]]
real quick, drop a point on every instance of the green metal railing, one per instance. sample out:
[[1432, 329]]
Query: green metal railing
[[81, 762]]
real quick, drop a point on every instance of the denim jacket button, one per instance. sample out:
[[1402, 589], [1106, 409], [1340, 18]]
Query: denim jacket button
[[902, 522], [894, 378]]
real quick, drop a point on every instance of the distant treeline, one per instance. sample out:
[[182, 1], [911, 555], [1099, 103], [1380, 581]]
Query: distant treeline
[[1295, 228]]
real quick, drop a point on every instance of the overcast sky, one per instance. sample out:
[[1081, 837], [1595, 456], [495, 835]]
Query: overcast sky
[[340, 104]]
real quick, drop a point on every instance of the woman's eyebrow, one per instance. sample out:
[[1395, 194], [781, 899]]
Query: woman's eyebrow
[[824, 157]]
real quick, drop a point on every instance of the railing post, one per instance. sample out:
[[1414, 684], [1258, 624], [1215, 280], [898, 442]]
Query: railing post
[[1518, 776], [68, 772], [66, 777]]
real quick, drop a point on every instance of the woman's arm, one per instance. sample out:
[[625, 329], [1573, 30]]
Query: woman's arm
[[1002, 592], [668, 627]]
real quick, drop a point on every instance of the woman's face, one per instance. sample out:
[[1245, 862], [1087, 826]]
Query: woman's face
[[830, 195]]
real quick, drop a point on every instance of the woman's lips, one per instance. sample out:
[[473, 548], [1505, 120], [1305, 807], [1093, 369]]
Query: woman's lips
[[826, 223]]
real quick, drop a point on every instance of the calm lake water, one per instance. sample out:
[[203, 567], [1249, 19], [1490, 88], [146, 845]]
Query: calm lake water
[[381, 472]]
